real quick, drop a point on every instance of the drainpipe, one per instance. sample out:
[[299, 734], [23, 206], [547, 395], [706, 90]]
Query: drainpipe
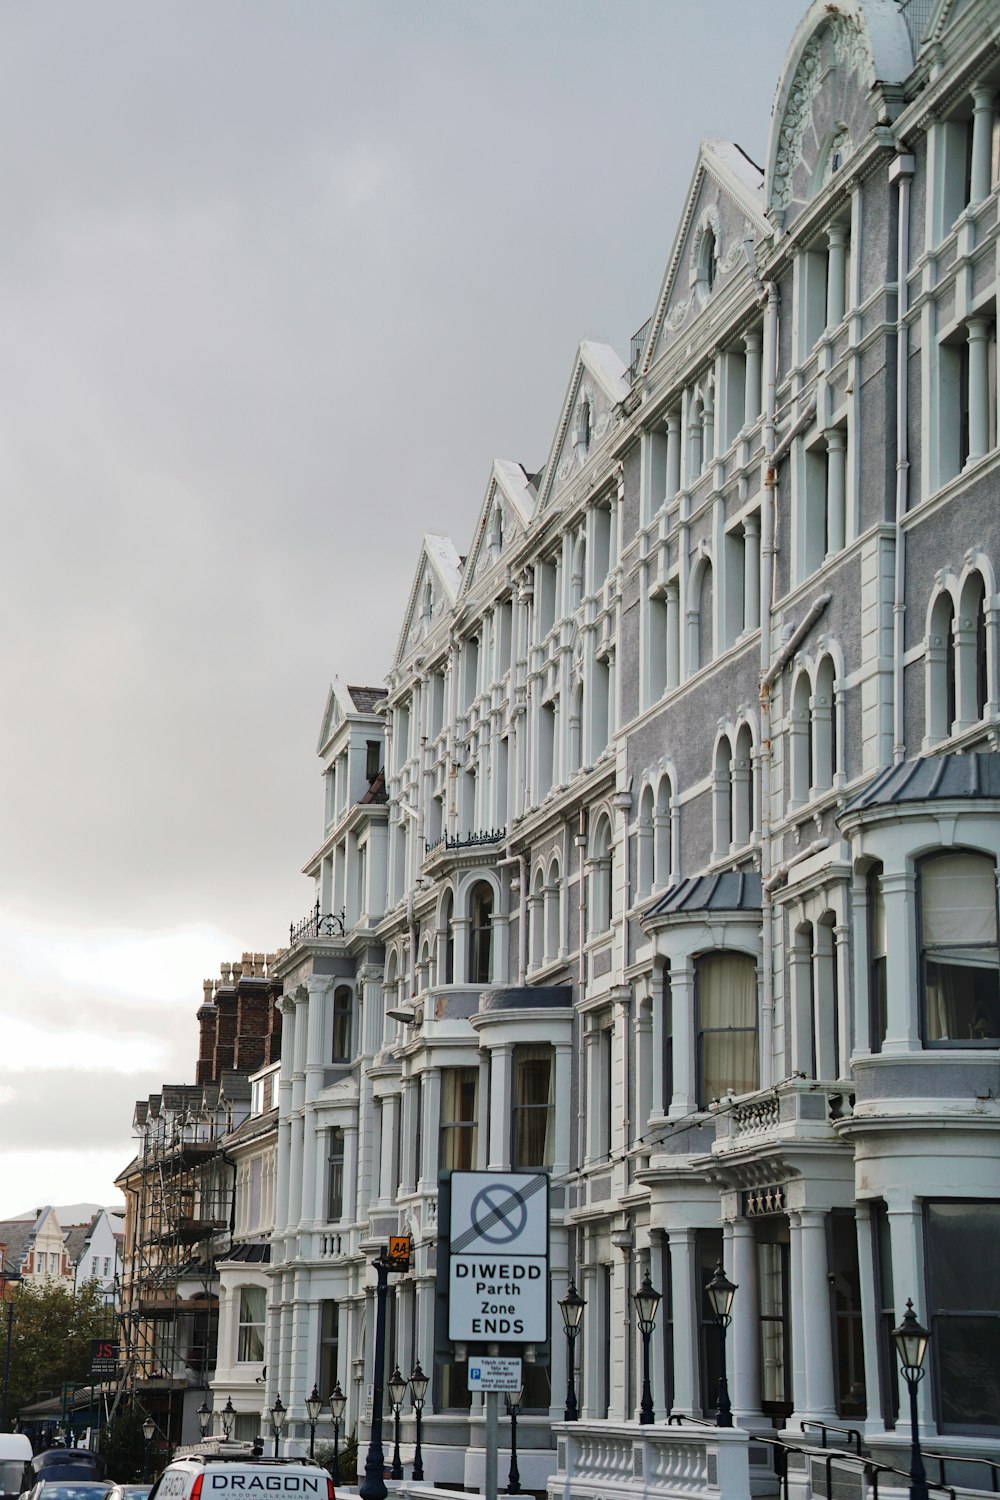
[[581, 844], [767, 551], [795, 640], [901, 171], [779, 874]]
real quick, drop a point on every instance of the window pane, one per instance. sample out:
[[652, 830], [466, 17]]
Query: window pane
[[250, 1345], [964, 1282], [534, 1107], [968, 1378]]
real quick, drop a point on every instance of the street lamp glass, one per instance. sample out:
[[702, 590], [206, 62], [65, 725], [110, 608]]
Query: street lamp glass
[[228, 1417], [910, 1339], [720, 1292], [397, 1388], [338, 1403], [647, 1300], [571, 1306], [148, 1429], [514, 1400], [278, 1414], [204, 1418], [418, 1385], [314, 1405]]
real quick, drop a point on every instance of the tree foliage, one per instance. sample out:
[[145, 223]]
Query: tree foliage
[[51, 1333], [124, 1447]]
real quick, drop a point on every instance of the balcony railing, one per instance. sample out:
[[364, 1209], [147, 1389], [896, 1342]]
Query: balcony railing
[[317, 925], [622, 1460], [471, 839], [796, 1107]]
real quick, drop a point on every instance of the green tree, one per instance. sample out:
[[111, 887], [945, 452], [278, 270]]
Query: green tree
[[50, 1337], [123, 1446]]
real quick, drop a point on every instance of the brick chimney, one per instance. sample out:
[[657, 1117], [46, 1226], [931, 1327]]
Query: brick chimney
[[208, 1018]]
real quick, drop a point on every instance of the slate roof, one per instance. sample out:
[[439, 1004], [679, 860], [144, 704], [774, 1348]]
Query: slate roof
[[16, 1235], [365, 698], [254, 1252], [730, 890], [932, 778], [376, 793]]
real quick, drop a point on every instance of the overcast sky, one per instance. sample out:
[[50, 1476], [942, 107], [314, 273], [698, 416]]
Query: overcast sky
[[278, 279]]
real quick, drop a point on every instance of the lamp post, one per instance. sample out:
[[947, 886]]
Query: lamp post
[[338, 1405], [911, 1339], [720, 1292], [397, 1390], [571, 1306], [647, 1300], [148, 1429], [418, 1394], [513, 1404], [278, 1414], [228, 1418], [372, 1487], [204, 1418], [314, 1405], [5, 1281]]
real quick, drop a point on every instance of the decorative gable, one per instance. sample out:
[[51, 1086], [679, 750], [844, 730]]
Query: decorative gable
[[724, 209], [434, 590], [505, 513], [598, 384]]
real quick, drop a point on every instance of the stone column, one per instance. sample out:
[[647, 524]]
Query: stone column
[[902, 1021], [814, 1376], [431, 1126], [685, 1304], [351, 1209], [673, 454], [870, 1315], [564, 1117], [501, 1094], [685, 1095], [751, 572], [906, 1240], [744, 1336], [978, 330], [673, 633], [753, 343], [982, 144], [836, 274], [836, 489]]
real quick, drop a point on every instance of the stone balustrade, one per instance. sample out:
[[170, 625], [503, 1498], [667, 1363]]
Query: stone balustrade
[[617, 1460]]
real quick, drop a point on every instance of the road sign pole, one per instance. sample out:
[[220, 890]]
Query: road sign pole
[[492, 1436], [372, 1487]]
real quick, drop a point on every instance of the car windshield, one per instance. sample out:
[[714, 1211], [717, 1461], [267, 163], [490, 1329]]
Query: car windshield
[[86, 1489], [11, 1474]]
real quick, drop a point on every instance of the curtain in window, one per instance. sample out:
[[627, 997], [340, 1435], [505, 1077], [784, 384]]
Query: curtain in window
[[534, 1107], [250, 1346], [459, 1113], [961, 966], [727, 1015]]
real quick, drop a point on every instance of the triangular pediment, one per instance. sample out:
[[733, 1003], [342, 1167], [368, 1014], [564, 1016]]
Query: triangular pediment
[[435, 587], [336, 710], [724, 208], [598, 384], [504, 515]]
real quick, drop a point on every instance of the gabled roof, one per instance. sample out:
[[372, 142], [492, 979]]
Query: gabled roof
[[16, 1236], [342, 702], [510, 493], [439, 565], [599, 373], [727, 165]]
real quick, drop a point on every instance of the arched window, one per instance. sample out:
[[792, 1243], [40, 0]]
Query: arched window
[[553, 912], [480, 933], [661, 834], [800, 741], [645, 844], [601, 877], [701, 631], [708, 262], [824, 728], [726, 1005], [446, 942], [536, 909], [723, 798], [342, 1017], [742, 800], [970, 652], [940, 677], [959, 959]]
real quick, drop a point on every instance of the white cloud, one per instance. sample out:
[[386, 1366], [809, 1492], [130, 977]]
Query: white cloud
[[32, 1178]]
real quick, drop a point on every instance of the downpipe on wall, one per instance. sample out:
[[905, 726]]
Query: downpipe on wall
[[901, 171]]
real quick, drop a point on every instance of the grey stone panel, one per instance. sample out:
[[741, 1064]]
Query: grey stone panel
[[526, 997], [881, 1078]]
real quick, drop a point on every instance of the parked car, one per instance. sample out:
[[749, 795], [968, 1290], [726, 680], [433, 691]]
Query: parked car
[[129, 1491], [69, 1489], [15, 1455], [66, 1463], [231, 1478]]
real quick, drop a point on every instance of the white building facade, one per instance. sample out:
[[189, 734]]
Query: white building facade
[[666, 861]]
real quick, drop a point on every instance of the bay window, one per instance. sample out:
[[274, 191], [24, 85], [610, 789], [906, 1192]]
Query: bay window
[[534, 1108], [960, 965], [726, 1005]]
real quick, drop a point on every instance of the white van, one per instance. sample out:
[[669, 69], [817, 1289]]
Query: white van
[[210, 1476], [15, 1452]]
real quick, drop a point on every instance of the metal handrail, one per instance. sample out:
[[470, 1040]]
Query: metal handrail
[[675, 1418], [961, 1458], [870, 1468], [825, 1427]]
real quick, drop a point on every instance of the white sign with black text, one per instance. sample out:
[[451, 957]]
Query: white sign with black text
[[498, 1280], [492, 1373]]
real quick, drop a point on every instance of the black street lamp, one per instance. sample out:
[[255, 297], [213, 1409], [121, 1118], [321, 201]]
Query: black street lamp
[[278, 1413], [397, 1391], [571, 1306], [911, 1339], [372, 1487], [204, 1418], [148, 1429], [513, 1403], [5, 1280], [647, 1300], [338, 1405], [228, 1418], [418, 1395], [314, 1405], [720, 1292]]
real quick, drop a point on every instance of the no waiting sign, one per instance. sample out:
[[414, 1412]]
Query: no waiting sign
[[498, 1277]]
